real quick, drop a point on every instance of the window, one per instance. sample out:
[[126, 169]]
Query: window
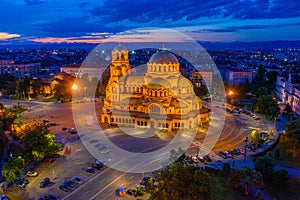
[[155, 109]]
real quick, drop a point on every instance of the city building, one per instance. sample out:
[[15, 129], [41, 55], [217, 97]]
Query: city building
[[19, 70], [235, 77], [160, 91], [202, 78], [287, 90]]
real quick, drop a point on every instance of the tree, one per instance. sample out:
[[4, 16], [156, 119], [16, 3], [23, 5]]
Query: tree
[[225, 172], [234, 178], [254, 136], [249, 177], [260, 79], [11, 169], [39, 142], [179, 182], [269, 111], [36, 87], [265, 166]]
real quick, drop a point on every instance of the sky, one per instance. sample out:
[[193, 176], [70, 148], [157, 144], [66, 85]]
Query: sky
[[53, 21]]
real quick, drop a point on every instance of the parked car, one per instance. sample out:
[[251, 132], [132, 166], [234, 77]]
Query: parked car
[[32, 174], [20, 184], [238, 151], [45, 182], [207, 158], [77, 180], [249, 148], [46, 121], [48, 197], [131, 192], [201, 159], [2, 197], [72, 131], [90, 170], [49, 160], [52, 124], [101, 162], [97, 166], [69, 183], [22, 180], [64, 188], [223, 155], [194, 159], [64, 129], [230, 154]]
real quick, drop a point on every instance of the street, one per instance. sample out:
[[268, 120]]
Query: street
[[104, 184]]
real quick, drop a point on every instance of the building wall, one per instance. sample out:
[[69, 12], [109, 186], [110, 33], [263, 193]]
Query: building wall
[[236, 77], [19, 70], [288, 93]]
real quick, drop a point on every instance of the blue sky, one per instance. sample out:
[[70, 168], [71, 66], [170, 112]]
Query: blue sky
[[23, 21]]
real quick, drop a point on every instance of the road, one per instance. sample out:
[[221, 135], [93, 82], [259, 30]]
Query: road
[[104, 184]]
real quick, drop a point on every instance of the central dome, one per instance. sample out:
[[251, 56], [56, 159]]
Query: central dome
[[163, 57]]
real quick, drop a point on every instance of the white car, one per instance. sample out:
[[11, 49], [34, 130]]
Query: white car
[[195, 159], [32, 174]]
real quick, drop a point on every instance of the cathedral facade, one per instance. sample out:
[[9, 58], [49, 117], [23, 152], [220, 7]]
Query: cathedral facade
[[159, 98]]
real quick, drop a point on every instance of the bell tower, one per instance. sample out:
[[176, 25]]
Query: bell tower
[[118, 68]]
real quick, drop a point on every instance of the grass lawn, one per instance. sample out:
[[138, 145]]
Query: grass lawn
[[50, 99], [285, 159]]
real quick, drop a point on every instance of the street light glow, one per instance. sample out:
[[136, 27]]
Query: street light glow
[[230, 93], [74, 87]]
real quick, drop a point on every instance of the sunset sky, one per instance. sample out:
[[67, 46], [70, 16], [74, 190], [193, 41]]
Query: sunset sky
[[29, 21]]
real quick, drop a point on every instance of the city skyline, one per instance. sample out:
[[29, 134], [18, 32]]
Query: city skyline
[[38, 21]]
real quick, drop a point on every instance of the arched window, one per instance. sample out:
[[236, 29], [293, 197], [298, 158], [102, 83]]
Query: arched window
[[126, 121], [138, 123], [142, 123], [145, 124], [155, 109]]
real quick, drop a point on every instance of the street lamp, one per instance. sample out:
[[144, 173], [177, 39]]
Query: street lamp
[[74, 86]]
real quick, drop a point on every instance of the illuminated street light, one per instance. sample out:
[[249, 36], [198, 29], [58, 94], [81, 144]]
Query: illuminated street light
[[74, 87]]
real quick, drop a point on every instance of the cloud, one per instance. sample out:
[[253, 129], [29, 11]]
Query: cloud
[[34, 2], [76, 27], [81, 39], [158, 12], [6, 36]]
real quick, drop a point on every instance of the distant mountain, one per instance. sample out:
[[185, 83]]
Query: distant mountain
[[251, 45]]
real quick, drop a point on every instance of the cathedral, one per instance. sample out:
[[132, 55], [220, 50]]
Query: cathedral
[[159, 98]]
